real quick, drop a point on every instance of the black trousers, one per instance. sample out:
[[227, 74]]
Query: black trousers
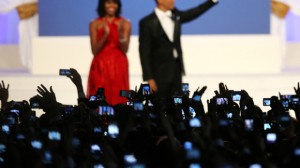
[[168, 89]]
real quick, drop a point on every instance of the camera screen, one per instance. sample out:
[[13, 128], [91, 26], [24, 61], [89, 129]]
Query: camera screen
[[98, 165], [126, 93], [248, 124], [284, 118], [5, 129], [271, 137], [95, 148], [129, 103], [35, 105], [255, 165], [193, 154], [64, 72], [93, 98], [11, 120], [267, 126], [47, 157], [229, 115], [223, 122], [285, 103], [185, 87], [36, 144], [15, 111], [146, 90], [195, 123], [97, 130], [54, 135], [192, 112], [138, 106], [130, 159], [222, 101], [266, 101], [286, 96], [295, 100], [188, 145], [195, 165], [106, 110], [68, 110], [297, 151], [113, 130], [2, 148], [177, 100], [236, 96], [197, 98]]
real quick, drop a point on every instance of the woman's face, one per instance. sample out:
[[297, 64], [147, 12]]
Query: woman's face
[[111, 8]]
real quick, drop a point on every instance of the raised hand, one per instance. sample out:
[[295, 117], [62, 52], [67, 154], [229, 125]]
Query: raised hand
[[153, 86], [247, 105], [200, 92], [223, 90], [76, 79], [49, 100], [196, 101], [3, 93], [280, 9], [106, 28], [297, 90]]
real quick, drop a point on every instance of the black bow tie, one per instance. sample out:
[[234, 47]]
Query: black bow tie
[[173, 16]]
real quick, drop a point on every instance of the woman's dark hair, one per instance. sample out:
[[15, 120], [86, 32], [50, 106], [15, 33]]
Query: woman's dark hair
[[101, 7]]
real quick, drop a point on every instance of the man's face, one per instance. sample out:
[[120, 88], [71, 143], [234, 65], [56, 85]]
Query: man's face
[[166, 4]]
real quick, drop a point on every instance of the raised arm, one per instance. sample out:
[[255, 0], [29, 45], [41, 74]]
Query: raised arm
[[4, 93], [125, 32], [189, 15], [76, 79], [96, 44], [280, 9]]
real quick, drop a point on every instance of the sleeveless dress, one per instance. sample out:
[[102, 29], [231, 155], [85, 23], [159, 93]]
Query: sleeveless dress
[[109, 68]]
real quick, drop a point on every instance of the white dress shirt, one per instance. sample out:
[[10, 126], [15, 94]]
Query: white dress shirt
[[168, 25]]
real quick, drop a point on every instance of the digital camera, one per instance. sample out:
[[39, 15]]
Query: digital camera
[[222, 101], [177, 100], [236, 96], [266, 101], [145, 89], [64, 72]]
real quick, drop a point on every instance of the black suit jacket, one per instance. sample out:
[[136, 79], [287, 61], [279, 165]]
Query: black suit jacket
[[155, 48]]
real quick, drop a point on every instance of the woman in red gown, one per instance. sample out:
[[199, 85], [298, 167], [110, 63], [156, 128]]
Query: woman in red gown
[[109, 36]]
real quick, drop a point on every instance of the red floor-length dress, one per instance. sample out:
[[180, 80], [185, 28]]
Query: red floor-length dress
[[109, 68]]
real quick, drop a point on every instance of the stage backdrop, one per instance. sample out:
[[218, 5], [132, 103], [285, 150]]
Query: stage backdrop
[[72, 17]]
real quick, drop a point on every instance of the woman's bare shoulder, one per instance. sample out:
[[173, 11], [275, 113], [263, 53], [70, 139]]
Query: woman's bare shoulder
[[126, 21], [96, 22]]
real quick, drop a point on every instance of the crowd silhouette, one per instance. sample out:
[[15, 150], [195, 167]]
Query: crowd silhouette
[[149, 131]]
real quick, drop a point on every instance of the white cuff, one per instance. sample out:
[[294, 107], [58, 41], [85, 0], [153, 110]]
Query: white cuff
[[215, 1]]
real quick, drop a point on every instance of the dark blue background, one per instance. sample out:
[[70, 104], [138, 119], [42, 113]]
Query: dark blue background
[[72, 17]]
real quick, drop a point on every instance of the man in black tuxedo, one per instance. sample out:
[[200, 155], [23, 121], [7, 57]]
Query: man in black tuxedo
[[160, 47]]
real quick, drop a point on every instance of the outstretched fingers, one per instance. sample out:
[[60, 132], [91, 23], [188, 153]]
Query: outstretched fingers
[[2, 85], [42, 90]]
